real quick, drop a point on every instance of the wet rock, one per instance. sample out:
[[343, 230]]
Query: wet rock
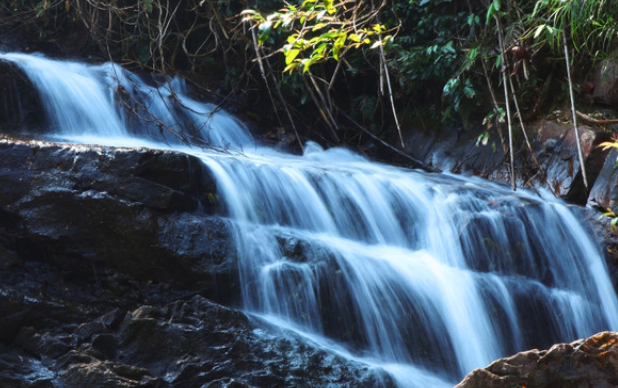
[[591, 362], [87, 208], [604, 193], [89, 372], [20, 370], [554, 147], [186, 343], [20, 107]]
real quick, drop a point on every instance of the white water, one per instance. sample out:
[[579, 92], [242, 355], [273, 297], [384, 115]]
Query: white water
[[426, 276]]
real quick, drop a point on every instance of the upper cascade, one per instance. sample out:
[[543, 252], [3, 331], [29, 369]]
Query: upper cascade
[[97, 102]]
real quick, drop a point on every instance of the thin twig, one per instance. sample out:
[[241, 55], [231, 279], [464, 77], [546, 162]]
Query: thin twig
[[596, 121], [523, 130], [390, 92], [506, 102], [577, 139]]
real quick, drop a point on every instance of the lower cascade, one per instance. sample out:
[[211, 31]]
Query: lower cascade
[[426, 276]]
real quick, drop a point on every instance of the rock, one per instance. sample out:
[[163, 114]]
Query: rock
[[591, 362], [605, 81], [20, 370], [89, 208], [21, 106], [554, 147], [605, 190]]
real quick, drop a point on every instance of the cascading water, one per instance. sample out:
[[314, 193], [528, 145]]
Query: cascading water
[[426, 276]]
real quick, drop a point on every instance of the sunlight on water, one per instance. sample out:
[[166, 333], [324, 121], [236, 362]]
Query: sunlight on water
[[425, 276]]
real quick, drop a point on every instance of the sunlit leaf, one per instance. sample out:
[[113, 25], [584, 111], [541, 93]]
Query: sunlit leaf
[[339, 43], [290, 55], [608, 144], [354, 38], [290, 68]]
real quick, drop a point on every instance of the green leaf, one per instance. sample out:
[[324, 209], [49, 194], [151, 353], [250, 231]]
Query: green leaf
[[147, 5], [493, 7], [290, 67], [320, 50], [339, 43], [469, 92], [290, 55], [306, 64]]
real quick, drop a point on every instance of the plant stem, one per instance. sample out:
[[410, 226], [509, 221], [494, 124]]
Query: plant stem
[[577, 139], [506, 102], [523, 129], [390, 92]]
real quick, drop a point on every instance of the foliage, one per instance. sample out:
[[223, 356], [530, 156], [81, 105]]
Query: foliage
[[435, 52], [609, 213], [372, 64], [319, 30], [592, 24], [326, 42]]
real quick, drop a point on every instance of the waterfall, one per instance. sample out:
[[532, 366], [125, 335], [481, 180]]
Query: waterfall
[[106, 103], [426, 276]]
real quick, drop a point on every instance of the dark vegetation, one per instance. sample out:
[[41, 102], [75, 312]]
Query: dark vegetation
[[343, 71]]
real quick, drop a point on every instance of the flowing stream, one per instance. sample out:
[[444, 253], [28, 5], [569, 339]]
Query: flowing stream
[[426, 276]]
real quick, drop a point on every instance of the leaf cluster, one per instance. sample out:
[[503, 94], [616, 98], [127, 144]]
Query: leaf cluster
[[319, 30]]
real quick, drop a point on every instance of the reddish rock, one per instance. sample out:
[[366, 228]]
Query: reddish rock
[[591, 362]]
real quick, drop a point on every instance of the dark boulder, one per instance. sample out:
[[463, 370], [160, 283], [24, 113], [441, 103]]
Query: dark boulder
[[20, 106], [142, 212]]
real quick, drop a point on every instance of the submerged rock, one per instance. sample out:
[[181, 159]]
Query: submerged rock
[[591, 362]]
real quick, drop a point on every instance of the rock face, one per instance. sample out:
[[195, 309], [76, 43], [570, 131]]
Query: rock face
[[592, 362], [114, 267], [554, 165], [134, 211]]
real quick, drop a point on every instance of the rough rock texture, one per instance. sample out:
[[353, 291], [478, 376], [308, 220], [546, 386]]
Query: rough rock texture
[[554, 148], [587, 363], [112, 261], [81, 207]]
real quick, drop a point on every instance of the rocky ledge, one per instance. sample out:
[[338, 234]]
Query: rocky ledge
[[117, 272], [591, 362]]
